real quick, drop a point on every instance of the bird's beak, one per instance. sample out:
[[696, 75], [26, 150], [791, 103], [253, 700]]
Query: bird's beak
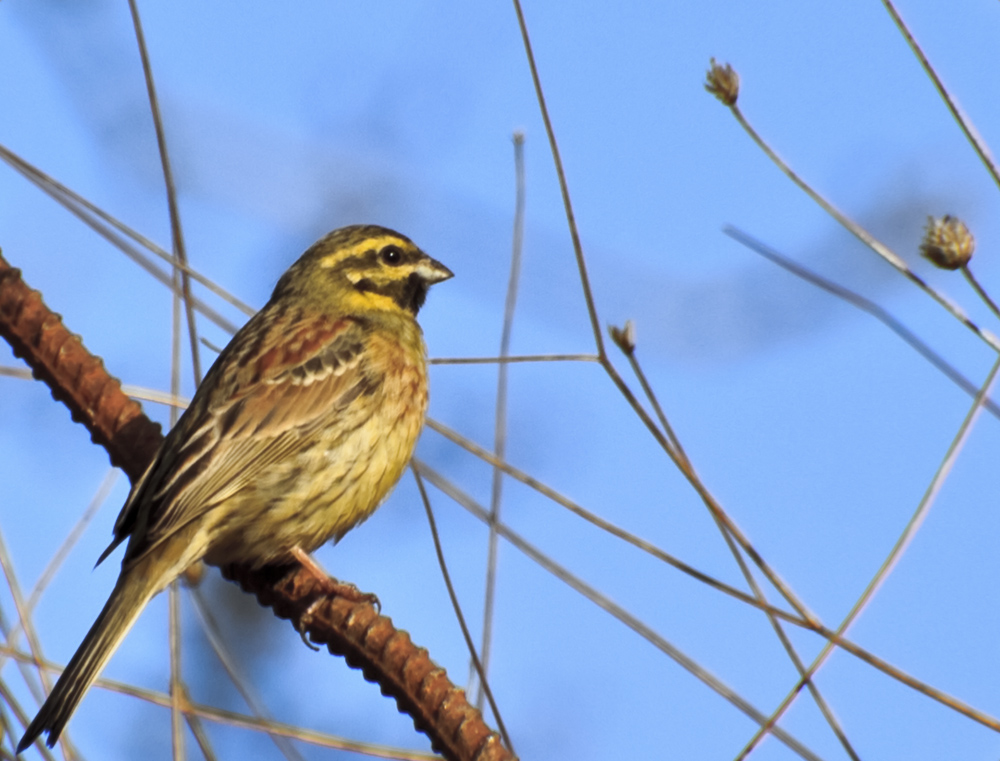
[[432, 271]]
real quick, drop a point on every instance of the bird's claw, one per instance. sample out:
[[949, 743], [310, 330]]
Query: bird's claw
[[351, 593]]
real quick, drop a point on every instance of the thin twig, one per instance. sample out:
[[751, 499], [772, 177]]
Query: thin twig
[[62, 552], [27, 669], [23, 614], [786, 644], [657, 408], [707, 498], [512, 360], [176, 684], [629, 349], [581, 263], [176, 232], [573, 507], [99, 498], [980, 290], [157, 397], [97, 219], [234, 719], [703, 492], [181, 278], [7, 730], [909, 531], [200, 735], [949, 701], [135, 392], [963, 121], [477, 663], [147, 264], [500, 417], [620, 533], [10, 700]]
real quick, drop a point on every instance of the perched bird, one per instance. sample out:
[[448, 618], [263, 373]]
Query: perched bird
[[299, 431]]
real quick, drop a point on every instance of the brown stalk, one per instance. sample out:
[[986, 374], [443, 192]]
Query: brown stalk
[[367, 640]]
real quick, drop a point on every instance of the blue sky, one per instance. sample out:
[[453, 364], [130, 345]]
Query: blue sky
[[815, 427]]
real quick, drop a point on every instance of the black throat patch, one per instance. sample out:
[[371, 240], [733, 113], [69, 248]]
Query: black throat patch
[[409, 293]]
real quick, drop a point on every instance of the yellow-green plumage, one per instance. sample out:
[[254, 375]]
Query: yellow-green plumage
[[299, 431]]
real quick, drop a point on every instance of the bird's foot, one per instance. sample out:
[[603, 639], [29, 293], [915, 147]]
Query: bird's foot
[[329, 585]]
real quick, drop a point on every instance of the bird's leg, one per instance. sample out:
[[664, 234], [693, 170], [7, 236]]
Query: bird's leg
[[328, 584]]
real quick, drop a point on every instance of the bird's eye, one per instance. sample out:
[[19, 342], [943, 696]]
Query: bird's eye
[[392, 255]]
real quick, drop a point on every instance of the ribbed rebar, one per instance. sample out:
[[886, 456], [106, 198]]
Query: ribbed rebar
[[385, 655], [75, 376]]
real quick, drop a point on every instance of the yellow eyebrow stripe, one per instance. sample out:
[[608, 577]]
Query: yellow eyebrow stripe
[[366, 245]]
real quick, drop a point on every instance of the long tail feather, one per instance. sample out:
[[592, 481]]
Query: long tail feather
[[129, 597]]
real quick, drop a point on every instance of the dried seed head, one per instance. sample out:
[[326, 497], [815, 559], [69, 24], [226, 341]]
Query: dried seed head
[[624, 338], [723, 83], [947, 242]]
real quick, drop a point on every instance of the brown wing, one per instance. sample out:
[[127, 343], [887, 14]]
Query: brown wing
[[253, 410]]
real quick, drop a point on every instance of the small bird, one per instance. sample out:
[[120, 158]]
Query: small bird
[[300, 429]]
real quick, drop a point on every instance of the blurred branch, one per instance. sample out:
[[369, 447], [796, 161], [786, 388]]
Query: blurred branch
[[367, 640], [136, 392], [109, 228], [865, 305], [10, 700]]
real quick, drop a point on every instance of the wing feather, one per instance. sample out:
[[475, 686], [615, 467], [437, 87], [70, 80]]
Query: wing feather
[[258, 412]]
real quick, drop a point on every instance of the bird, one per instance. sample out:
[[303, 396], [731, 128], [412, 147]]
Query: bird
[[299, 431]]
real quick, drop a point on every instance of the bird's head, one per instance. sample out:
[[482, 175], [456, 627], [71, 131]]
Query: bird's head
[[363, 268]]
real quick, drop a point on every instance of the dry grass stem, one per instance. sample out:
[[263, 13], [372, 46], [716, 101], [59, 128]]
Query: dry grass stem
[[176, 231], [581, 263], [234, 719], [966, 125], [981, 292], [500, 419]]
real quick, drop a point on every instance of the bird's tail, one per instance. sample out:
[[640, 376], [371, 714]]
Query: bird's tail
[[129, 597]]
